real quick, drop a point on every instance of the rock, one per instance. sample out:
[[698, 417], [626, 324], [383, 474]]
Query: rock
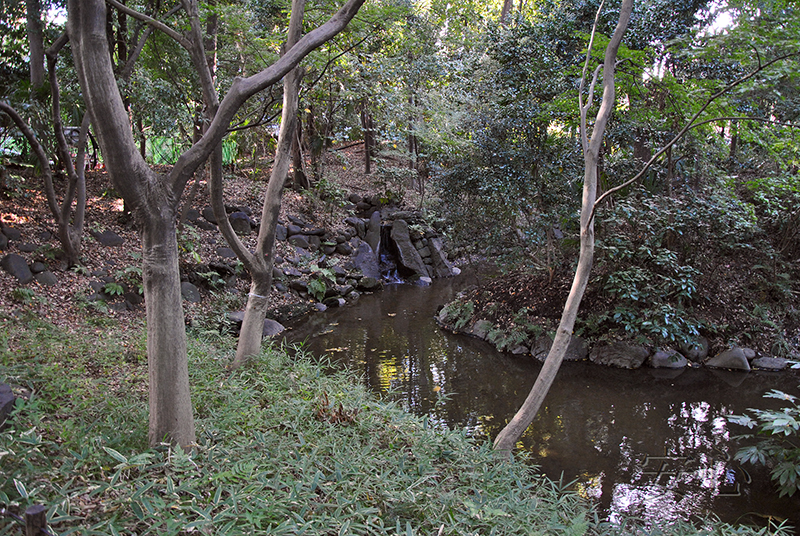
[[7, 401], [47, 278], [407, 253], [769, 363], [293, 229], [226, 253], [520, 350], [18, 267], [577, 350], [733, 359], [369, 284], [344, 249], [240, 223], [620, 355], [481, 329], [299, 285], [363, 206], [354, 198], [44, 236], [38, 267], [320, 307], [749, 353], [696, 351], [27, 247], [292, 271], [334, 301], [108, 238], [206, 226], [314, 242], [193, 215], [208, 214], [366, 261], [441, 266], [424, 252], [668, 359], [11, 233], [271, 327], [3, 242], [190, 293], [423, 281], [281, 232], [300, 241], [373, 235], [297, 220], [277, 273], [133, 299]]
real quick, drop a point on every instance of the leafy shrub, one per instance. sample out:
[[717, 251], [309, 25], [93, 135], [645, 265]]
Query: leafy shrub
[[458, 313], [778, 448]]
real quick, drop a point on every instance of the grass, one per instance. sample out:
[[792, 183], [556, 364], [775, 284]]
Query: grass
[[285, 446]]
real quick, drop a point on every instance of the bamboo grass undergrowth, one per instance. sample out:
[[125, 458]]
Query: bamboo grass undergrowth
[[286, 445]]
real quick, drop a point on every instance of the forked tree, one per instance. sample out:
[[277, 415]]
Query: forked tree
[[153, 197]]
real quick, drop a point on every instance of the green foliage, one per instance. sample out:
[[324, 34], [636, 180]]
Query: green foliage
[[458, 313], [317, 288], [188, 238], [778, 447], [652, 254], [23, 295], [113, 288]]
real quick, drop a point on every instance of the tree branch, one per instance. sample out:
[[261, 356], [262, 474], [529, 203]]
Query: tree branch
[[691, 124], [150, 21]]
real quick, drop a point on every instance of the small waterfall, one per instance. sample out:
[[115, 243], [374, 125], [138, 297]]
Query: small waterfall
[[387, 257]]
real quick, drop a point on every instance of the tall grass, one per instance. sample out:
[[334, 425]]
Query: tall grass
[[285, 446]]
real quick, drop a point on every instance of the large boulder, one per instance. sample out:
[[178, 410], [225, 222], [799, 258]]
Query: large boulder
[[441, 267], [481, 329], [769, 363], [373, 234], [271, 327], [620, 355], [366, 261], [108, 238], [733, 359], [18, 267], [7, 401], [408, 255]]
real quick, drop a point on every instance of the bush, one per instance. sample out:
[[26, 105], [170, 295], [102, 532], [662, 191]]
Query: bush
[[778, 448]]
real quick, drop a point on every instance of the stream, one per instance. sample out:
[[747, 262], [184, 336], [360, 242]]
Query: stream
[[649, 443]]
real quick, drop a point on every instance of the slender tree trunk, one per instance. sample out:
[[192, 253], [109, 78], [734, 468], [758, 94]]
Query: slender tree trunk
[[261, 275], [511, 433], [36, 42], [508, 5]]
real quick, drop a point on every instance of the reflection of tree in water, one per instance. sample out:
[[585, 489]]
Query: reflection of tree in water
[[610, 428]]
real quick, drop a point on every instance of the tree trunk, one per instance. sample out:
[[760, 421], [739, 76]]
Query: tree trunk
[[152, 199], [261, 275], [171, 418], [508, 5], [511, 433], [36, 42]]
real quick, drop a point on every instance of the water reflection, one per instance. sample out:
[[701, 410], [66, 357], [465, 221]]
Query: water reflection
[[647, 443]]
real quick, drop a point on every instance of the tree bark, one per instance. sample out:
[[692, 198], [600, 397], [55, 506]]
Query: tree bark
[[508, 5], [511, 433]]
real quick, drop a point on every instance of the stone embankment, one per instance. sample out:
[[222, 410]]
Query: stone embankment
[[456, 317]]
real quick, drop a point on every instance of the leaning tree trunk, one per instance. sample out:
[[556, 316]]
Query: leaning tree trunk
[[511, 433], [261, 273]]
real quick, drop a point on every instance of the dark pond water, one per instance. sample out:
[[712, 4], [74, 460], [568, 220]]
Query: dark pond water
[[646, 443]]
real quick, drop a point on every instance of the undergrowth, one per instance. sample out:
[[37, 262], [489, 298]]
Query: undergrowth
[[284, 447]]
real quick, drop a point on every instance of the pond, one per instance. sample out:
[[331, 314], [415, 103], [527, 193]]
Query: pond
[[650, 443]]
